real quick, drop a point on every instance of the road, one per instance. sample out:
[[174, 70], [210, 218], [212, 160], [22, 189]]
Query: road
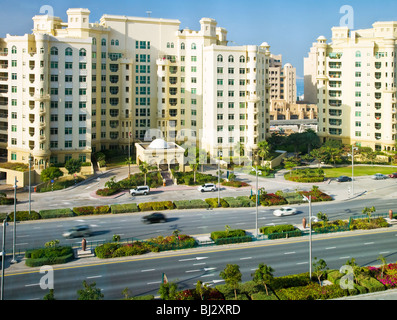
[[142, 275]]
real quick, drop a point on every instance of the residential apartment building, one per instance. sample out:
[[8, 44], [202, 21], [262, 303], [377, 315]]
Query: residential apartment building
[[73, 88], [282, 80], [352, 79], [236, 98]]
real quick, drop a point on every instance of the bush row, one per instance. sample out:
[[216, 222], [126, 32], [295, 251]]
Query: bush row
[[48, 256]]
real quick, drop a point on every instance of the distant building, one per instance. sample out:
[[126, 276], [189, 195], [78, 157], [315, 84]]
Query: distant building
[[352, 80]]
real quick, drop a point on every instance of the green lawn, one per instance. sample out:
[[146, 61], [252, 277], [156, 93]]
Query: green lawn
[[358, 171]]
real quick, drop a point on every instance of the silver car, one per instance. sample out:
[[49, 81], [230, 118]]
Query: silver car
[[379, 176], [145, 190], [79, 231]]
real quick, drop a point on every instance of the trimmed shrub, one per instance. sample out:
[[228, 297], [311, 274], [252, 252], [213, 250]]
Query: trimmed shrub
[[24, 216], [191, 204], [213, 203], [49, 256], [277, 229], [101, 210], [227, 234], [7, 201], [56, 213], [106, 192], [83, 211], [124, 208]]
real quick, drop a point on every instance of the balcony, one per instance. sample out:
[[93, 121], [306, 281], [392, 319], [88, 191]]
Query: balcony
[[335, 74], [378, 116], [335, 65], [378, 136], [335, 103], [378, 126], [335, 55]]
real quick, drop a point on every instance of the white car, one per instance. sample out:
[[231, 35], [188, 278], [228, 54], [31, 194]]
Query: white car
[[286, 211], [207, 187], [145, 190]]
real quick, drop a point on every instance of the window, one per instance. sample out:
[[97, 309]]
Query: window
[[14, 50], [68, 144], [82, 53], [193, 46], [242, 59], [358, 54], [219, 58], [103, 42], [68, 52], [231, 59], [54, 51], [182, 46]]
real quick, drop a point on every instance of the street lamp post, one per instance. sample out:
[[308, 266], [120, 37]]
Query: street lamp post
[[3, 256], [219, 179], [352, 155], [310, 232], [257, 172], [30, 169], [15, 222], [129, 154]]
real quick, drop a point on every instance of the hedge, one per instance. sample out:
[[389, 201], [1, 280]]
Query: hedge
[[241, 201], [124, 208], [277, 229], [229, 240], [213, 202], [7, 201], [230, 234], [24, 216], [88, 210], [56, 213], [156, 206], [49, 256], [191, 204]]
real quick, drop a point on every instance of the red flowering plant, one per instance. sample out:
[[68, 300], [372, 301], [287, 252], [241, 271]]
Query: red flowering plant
[[387, 275]]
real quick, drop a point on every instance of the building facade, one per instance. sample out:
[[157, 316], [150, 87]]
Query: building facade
[[73, 88], [352, 79]]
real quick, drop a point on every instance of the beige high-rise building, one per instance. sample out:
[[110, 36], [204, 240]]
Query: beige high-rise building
[[74, 88], [352, 79]]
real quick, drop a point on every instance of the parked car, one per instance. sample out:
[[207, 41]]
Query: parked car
[[207, 187], [154, 218], [145, 190], [343, 179], [379, 176], [393, 175], [78, 231], [285, 211]]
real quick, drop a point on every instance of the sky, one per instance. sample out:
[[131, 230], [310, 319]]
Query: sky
[[289, 27]]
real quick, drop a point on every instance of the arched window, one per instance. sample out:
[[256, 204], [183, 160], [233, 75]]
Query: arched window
[[172, 44], [182, 46], [94, 41], [168, 45], [242, 59], [112, 42], [219, 58], [193, 46], [82, 53], [14, 49], [231, 59], [117, 42], [103, 42], [68, 52], [358, 54], [54, 51]]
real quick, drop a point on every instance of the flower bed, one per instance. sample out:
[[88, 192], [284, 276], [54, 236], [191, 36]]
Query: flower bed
[[389, 276]]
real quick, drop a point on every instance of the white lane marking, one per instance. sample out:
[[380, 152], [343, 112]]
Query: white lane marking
[[93, 277], [302, 263], [148, 270], [345, 257], [368, 243], [290, 252], [32, 285], [155, 282], [330, 248], [247, 258]]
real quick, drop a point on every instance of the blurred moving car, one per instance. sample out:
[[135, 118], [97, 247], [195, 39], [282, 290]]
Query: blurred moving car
[[145, 190], [343, 179], [154, 218], [78, 231], [379, 176], [207, 187], [285, 211], [393, 175]]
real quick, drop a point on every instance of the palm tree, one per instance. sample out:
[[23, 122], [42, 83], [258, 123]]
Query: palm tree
[[129, 162], [194, 167], [263, 275], [145, 168], [239, 149], [311, 139], [263, 150]]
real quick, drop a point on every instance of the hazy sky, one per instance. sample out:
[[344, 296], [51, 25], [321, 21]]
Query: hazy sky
[[290, 27]]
